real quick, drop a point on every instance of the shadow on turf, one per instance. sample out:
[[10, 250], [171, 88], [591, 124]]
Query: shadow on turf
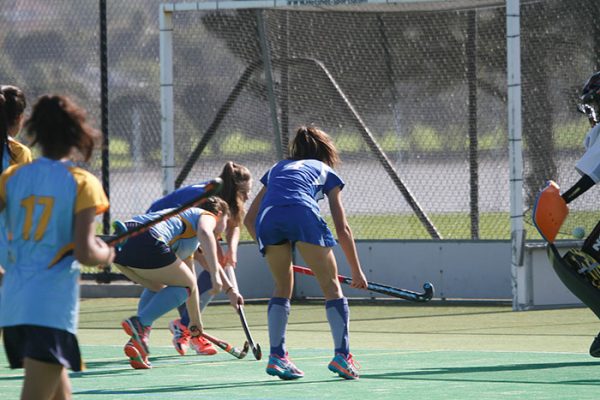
[[187, 388], [91, 365], [488, 368]]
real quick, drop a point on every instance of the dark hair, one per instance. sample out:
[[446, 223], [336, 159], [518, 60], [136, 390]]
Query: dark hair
[[12, 106], [312, 143], [215, 204], [234, 176], [58, 125]]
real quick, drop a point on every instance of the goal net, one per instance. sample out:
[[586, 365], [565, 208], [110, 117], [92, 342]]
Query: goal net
[[413, 94]]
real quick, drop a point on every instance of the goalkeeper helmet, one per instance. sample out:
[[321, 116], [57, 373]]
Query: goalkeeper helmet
[[590, 99]]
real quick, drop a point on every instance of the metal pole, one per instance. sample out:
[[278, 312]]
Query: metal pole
[[166, 97], [513, 48], [104, 113], [269, 81]]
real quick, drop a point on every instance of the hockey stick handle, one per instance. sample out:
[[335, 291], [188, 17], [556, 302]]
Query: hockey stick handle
[[253, 345], [234, 351], [383, 289], [211, 188]]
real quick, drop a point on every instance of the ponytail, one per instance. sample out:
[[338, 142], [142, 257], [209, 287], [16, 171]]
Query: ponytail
[[234, 176]]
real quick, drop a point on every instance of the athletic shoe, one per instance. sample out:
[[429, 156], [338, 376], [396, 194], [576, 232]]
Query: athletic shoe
[[135, 358], [181, 336], [595, 347], [283, 368], [138, 333], [344, 366], [202, 346]]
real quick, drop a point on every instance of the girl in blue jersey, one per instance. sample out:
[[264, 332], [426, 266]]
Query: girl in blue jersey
[[50, 206], [284, 214], [161, 260], [237, 182]]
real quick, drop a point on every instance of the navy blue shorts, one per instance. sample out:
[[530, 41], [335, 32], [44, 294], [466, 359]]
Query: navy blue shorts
[[280, 224], [40, 343], [145, 251]]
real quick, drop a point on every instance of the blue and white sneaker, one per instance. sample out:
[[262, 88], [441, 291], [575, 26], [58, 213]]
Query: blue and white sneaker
[[283, 368], [344, 366]]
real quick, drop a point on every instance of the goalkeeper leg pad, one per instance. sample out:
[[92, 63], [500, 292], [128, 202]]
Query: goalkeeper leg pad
[[571, 271]]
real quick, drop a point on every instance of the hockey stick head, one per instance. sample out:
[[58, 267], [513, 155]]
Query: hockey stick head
[[428, 294], [244, 351], [257, 351]]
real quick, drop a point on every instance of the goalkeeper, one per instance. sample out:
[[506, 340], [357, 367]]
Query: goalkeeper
[[583, 285]]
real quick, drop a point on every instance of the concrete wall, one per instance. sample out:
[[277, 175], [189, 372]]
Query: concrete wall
[[457, 269]]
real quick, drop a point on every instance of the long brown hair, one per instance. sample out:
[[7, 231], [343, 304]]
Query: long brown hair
[[58, 125], [235, 176], [312, 143]]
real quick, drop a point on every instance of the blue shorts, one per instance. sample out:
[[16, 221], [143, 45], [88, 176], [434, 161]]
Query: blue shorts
[[40, 343], [145, 251], [281, 224]]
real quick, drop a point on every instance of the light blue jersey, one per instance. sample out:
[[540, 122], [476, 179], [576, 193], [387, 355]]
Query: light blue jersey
[[179, 232], [41, 284]]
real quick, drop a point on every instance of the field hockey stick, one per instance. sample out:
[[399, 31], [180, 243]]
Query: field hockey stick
[[230, 272], [253, 345], [234, 351], [210, 188], [383, 289]]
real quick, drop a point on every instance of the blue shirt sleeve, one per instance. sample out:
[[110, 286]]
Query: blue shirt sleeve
[[333, 180]]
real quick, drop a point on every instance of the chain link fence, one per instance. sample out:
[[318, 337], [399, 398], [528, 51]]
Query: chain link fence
[[414, 94]]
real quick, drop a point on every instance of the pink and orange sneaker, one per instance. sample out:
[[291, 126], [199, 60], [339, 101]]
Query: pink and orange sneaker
[[135, 358], [181, 336], [138, 333], [202, 346]]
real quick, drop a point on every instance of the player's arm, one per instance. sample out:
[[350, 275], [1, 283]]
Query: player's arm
[[232, 236], [206, 236], [345, 237], [582, 185], [250, 219], [89, 249]]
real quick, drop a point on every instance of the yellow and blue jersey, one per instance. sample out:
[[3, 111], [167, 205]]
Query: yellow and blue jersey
[[178, 232], [22, 155], [41, 284]]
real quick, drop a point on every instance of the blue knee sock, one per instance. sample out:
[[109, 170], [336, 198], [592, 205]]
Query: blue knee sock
[[145, 297], [338, 315], [161, 303], [204, 285], [277, 315]]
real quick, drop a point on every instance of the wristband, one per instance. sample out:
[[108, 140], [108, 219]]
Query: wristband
[[194, 331]]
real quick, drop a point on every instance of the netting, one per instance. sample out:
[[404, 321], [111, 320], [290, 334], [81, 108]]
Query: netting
[[427, 81]]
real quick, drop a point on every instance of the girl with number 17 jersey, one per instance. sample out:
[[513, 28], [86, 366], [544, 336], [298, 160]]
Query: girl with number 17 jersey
[[41, 282], [50, 207]]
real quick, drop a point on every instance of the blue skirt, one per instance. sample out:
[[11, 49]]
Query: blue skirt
[[281, 224]]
